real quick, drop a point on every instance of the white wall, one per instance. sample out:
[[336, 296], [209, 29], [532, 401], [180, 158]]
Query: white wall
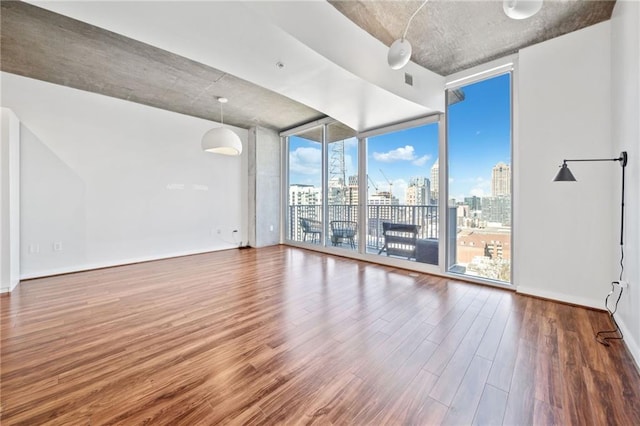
[[625, 73], [111, 182], [9, 201], [564, 235]]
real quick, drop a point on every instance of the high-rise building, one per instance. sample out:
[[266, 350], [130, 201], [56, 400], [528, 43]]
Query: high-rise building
[[300, 195], [474, 203], [336, 190], [435, 181], [352, 190], [501, 180], [497, 210], [418, 192], [382, 198]]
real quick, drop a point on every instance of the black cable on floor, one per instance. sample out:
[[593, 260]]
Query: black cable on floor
[[602, 336]]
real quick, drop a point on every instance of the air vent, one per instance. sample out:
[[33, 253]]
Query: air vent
[[408, 79]]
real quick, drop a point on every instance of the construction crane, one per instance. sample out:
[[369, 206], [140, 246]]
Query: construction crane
[[389, 182], [373, 184]]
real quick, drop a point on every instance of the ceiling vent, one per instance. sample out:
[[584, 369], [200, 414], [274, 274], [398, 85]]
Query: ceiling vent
[[408, 79]]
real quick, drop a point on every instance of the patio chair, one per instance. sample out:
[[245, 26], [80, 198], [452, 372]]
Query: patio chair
[[343, 230], [399, 239], [311, 227]]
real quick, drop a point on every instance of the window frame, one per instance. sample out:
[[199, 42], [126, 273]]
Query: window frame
[[507, 64], [457, 80]]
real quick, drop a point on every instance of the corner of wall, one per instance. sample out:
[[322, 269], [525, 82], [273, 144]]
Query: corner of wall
[[9, 201], [625, 136]]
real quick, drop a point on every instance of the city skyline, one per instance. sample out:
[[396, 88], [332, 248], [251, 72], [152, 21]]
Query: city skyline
[[479, 139]]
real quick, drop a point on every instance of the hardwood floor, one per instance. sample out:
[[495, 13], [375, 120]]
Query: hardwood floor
[[287, 335]]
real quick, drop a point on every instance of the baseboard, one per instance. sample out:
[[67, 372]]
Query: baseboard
[[10, 288], [561, 297], [629, 341], [122, 262]]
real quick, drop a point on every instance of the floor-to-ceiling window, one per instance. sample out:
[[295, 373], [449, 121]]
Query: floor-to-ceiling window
[[305, 192], [381, 201], [479, 173], [322, 185], [421, 192], [402, 193], [342, 187]]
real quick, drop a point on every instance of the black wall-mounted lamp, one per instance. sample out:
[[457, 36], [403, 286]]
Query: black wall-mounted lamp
[[565, 175]]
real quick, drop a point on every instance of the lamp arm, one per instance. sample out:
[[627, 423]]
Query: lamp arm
[[596, 159], [622, 159]]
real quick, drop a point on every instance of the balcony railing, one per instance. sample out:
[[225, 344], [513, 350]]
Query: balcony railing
[[426, 216]]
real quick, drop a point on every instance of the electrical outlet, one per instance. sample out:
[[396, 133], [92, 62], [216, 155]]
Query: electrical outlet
[[57, 246], [623, 284], [271, 228]]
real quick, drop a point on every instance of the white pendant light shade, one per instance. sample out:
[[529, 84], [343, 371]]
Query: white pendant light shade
[[521, 9], [222, 141], [399, 54]]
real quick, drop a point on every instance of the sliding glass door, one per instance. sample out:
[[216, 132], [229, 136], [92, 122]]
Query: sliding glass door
[[323, 182], [304, 207], [479, 180], [402, 193], [342, 187]]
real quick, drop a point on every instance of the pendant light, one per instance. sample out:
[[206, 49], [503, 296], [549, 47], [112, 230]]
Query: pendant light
[[222, 140], [521, 9], [400, 50]]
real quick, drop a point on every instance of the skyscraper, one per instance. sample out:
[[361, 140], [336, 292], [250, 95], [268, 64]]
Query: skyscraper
[[418, 192], [304, 195], [435, 179], [501, 180]]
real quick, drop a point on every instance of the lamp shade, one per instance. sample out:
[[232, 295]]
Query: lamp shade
[[564, 175], [521, 9], [222, 141], [399, 54]]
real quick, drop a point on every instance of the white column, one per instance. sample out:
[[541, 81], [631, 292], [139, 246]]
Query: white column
[[9, 201], [264, 187]]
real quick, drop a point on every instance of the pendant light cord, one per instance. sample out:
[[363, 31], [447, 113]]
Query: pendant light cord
[[404, 35]]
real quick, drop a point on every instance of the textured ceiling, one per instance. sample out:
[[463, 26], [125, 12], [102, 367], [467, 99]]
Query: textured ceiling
[[452, 35], [47, 46], [447, 36]]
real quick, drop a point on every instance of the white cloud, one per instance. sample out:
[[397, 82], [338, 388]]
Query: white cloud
[[421, 161], [306, 161], [406, 153]]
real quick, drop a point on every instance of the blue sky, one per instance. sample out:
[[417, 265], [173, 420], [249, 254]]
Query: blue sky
[[479, 138]]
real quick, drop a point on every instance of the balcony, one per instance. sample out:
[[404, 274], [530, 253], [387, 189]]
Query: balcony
[[425, 216]]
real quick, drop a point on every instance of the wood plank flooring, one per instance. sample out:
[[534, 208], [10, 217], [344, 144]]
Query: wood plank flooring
[[285, 335]]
